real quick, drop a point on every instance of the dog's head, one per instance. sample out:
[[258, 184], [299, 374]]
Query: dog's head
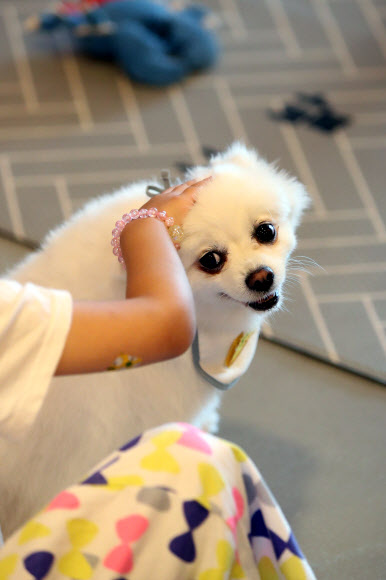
[[241, 231]]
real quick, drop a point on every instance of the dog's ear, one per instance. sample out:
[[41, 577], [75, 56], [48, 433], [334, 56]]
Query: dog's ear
[[237, 154], [299, 200]]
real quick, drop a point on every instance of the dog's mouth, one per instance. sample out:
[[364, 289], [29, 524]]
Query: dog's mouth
[[263, 304]]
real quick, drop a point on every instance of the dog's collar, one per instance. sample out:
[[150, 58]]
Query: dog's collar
[[196, 361]]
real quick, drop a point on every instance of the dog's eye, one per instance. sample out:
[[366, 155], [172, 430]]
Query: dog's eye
[[265, 233], [212, 261]]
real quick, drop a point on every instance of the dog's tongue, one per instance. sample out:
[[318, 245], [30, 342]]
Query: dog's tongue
[[266, 304]]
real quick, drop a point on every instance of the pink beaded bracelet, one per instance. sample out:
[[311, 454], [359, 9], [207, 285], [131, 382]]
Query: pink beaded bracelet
[[176, 233]]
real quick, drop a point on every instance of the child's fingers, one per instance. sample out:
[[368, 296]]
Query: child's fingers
[[192, 190], [191, 187], [178, 200], [194, 184], [176, 189]]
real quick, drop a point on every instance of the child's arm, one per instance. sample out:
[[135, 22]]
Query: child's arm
[[157, 319]]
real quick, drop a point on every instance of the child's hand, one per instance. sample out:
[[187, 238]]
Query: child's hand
[[177, 200]]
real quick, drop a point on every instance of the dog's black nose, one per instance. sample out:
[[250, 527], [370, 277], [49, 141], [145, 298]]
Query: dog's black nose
[[260, 280]]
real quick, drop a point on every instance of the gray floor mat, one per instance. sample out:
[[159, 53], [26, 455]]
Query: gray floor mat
[[72, 128]]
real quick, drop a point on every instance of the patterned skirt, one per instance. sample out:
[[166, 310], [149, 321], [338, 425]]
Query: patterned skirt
[[174, 503]]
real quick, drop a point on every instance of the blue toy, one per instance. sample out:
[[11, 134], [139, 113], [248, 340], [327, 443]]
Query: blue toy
[[151, 42]]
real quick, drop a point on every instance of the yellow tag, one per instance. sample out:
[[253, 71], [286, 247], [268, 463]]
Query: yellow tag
[[236, 347], [124, 361]]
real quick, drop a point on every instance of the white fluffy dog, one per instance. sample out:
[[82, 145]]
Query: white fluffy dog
[[237, 240]]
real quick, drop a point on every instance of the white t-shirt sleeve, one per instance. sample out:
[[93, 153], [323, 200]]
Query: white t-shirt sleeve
[[34, 323]]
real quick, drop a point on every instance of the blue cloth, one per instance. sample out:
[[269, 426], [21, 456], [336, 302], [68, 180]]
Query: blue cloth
[[150, 42]]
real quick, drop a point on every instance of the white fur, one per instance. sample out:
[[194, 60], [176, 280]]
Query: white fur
[[86, 417]]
